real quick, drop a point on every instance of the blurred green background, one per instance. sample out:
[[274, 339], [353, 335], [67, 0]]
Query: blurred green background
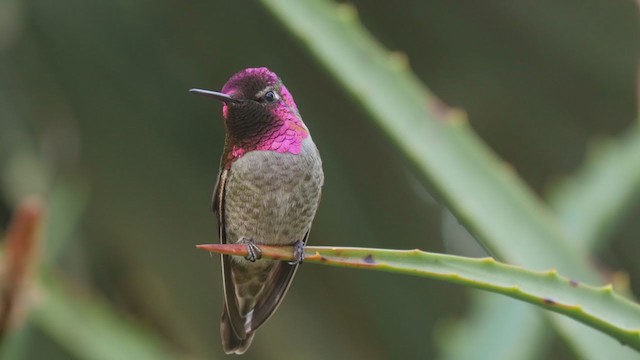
[[96, 117]]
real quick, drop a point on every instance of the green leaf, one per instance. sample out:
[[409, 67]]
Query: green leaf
[[88, 328], [592, 202], [496, 328], [482, 191], [598, 307], [65, 206]]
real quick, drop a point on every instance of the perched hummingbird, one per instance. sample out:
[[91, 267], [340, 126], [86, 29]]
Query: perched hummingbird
[[267, 193]]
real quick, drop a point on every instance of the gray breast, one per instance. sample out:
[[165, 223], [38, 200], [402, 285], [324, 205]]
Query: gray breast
[[272, 197]]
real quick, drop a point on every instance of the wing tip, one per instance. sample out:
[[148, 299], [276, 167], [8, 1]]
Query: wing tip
[[231, 342]]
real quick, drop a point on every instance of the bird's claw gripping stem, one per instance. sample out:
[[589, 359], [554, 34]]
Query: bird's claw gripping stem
[[298, 253], [254, 251]]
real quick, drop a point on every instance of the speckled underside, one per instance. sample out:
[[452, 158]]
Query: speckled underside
[[271, 198]]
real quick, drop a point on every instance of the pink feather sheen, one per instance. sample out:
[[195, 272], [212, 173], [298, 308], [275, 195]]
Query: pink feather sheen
[[287, 139], [225, 111]]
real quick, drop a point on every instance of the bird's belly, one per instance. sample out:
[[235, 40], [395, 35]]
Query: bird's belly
[[272, 197]]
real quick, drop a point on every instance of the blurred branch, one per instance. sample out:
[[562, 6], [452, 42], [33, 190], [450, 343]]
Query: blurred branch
[[483, 193], [83, 324], [20, 259], [600, 308]]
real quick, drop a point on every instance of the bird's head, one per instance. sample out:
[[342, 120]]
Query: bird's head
[[258, 110]]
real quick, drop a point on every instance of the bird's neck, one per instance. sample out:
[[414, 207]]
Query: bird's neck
[[286, 136]]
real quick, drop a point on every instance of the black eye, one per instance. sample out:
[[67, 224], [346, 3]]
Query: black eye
[[270, 96]]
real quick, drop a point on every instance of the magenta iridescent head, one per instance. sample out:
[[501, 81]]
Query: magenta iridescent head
[[255, 83], [258, 109]]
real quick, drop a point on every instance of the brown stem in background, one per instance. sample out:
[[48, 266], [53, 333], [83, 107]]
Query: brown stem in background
[[20, 257]]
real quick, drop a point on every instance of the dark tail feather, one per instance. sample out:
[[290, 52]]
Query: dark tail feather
[[231, 343]]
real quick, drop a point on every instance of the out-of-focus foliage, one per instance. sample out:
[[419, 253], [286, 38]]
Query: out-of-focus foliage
[[492, 202], [94, 110]]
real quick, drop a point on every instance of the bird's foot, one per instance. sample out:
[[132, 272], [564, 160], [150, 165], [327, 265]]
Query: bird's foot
[[254, 251], [298, 253]]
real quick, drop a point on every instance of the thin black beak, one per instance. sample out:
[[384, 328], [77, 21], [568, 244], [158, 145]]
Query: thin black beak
[[216, 95]]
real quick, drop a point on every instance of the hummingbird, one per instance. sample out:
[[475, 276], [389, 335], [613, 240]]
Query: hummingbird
[[267, 193]]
